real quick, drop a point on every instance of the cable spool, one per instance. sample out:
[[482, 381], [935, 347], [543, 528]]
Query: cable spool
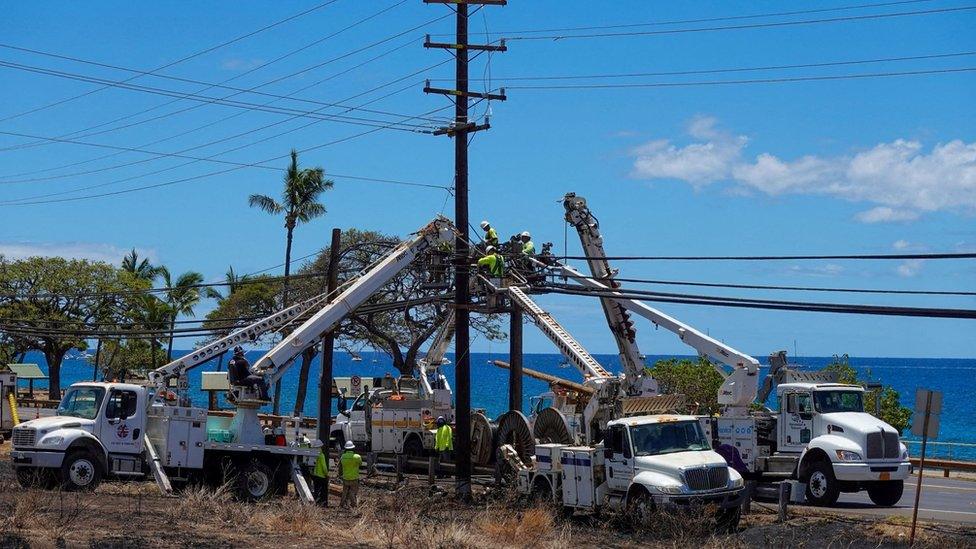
[[482, 436], [513, 429], [551, 427]]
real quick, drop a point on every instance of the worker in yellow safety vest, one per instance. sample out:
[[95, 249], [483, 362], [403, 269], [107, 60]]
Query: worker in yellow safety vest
[[349, 464], [493, 262], [443, 440], [528, 247], [491, 235], [320, 479]]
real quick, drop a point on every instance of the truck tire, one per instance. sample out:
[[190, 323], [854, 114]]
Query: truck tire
[[822, 486], [640, 508], [413, 447], [727, 521], [255, 481], [81, 471], [886, 494]]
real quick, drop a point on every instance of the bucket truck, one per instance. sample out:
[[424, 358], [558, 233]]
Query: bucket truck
[[820, 436], [122, 430], [621, 454]]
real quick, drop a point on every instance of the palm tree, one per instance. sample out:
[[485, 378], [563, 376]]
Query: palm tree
[[142, 270], [299, 203], [233, 281], [181, 297]]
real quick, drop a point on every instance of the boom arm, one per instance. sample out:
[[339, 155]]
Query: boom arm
[[277, 360], [621, 326], [739, 388], [160, 377], [435, 355]]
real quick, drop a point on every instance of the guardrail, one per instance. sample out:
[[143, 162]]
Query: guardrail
[[958, 451]]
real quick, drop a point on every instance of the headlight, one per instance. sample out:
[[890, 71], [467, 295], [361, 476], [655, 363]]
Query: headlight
[[736, 483], [844, 455], [52, 441], [669, 489], [904, 452]]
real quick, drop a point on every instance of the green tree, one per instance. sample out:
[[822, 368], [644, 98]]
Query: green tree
[[182, 296], [241, 305], [140, 269], [233, 281], [50, 303], [884, 403], [698, 380]]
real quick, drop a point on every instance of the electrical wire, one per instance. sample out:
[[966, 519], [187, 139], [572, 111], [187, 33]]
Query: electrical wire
[[740, 82], [180, 60], [967, 255], [792, 288], [748, 26]]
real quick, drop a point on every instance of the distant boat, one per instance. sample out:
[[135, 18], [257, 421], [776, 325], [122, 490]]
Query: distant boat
[[356, 357]]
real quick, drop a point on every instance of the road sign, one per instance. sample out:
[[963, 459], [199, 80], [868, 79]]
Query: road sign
[[921, 395], [928, 406], [918, 426]]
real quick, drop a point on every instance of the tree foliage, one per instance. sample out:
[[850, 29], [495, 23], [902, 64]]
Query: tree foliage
[[884, 403], [698, 380]]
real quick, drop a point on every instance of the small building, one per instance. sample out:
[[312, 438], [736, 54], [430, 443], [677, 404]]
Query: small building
[[30, 372]]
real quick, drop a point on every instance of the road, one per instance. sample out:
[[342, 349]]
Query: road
[[943, 499]]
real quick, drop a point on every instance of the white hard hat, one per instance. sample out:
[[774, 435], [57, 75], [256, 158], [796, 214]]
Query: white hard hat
[[490, 249], [350, 445], [484, 224], [526, 234]]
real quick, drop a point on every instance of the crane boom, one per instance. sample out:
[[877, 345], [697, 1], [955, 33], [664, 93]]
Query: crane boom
[[618, 319], [276, 361], [568, 346], [435, 355], [739, 388]]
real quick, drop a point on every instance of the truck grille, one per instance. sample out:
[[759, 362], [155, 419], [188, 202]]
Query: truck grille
[[24, 437], [883, 444], [707, 478]]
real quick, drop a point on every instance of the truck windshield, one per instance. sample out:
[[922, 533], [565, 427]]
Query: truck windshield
[[838, 401], [667, 438], [81, 402]]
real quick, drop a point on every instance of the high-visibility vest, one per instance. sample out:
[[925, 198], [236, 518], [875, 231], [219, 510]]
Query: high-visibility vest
[[495, 264], [444, 440], [491, 236], [321, 467], [528, 248], [350, 463]]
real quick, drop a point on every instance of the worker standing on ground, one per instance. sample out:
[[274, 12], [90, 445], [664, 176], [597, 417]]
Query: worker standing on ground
[[320, 479], [443, 440], [493, 262], [349, 465], [491, 235], [528, 247], [239, 374]]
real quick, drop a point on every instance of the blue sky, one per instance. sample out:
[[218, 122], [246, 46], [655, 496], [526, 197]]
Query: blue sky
[[872, 165]]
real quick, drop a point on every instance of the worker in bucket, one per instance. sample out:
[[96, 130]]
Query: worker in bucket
[[528, 247], [443, 440], [239, 374], [493, 262], [491, 235], [320, 478], [349, 464]]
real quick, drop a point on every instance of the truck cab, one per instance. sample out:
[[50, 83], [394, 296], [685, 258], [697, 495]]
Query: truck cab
[[839, 446], [98, 431]]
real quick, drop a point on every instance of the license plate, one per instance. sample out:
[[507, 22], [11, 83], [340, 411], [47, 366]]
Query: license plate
[[884, 476]]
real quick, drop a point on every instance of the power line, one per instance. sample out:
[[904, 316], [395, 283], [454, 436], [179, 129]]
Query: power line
[[178, 61], [691, 299], [727, 70], [737, 82], [746, 26], [770, 257], [792, 288], [703, 20]]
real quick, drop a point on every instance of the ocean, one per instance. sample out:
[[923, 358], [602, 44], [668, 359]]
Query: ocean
[[956, 378]]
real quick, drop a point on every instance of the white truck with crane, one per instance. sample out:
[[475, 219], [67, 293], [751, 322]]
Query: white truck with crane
[[820, 436], [129, 431]]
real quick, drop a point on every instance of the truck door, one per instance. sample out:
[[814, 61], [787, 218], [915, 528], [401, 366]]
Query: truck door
[[122, 425], [796, 424], [357, 419], [619, 459]]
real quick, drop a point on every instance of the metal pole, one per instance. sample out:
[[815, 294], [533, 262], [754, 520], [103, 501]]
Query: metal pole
[[328, 345], [515, 359], [98, 354], [462, 299], [921, 465]]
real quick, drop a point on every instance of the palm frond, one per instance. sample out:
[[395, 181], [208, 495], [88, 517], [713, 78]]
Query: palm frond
[[265, 203]]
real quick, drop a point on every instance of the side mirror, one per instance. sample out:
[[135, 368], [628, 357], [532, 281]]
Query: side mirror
[[806, 416], [608, 453]]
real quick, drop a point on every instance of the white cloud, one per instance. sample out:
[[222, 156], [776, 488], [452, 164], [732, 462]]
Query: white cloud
[[240, 64], [909, 268], [74, 250], [830, 269], [884, 214], [900, 177], [901, 244]]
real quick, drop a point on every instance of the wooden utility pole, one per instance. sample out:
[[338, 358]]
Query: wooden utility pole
[[515, 359], [459, 130], [328, 346]]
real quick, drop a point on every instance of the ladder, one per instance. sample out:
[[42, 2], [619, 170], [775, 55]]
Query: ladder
[[568, 346]]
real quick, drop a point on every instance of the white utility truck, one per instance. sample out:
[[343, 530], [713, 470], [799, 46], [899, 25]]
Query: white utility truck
[[645, 463], [128, 431], [820, 436]]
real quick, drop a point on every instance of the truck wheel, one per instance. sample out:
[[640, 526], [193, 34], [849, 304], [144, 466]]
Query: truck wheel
[[640, 508], [413, 447], [541, 491], [822, 489], [727, 521], [886, 494], [255, 482], [80, 472]]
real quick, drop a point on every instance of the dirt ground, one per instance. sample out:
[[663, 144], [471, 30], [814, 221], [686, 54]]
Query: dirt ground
[[133, 514]]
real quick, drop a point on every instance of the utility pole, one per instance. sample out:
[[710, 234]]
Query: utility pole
[[459, 130], [328, 344]]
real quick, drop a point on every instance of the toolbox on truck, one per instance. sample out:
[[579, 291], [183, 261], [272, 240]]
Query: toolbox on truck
[[178, 434]]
